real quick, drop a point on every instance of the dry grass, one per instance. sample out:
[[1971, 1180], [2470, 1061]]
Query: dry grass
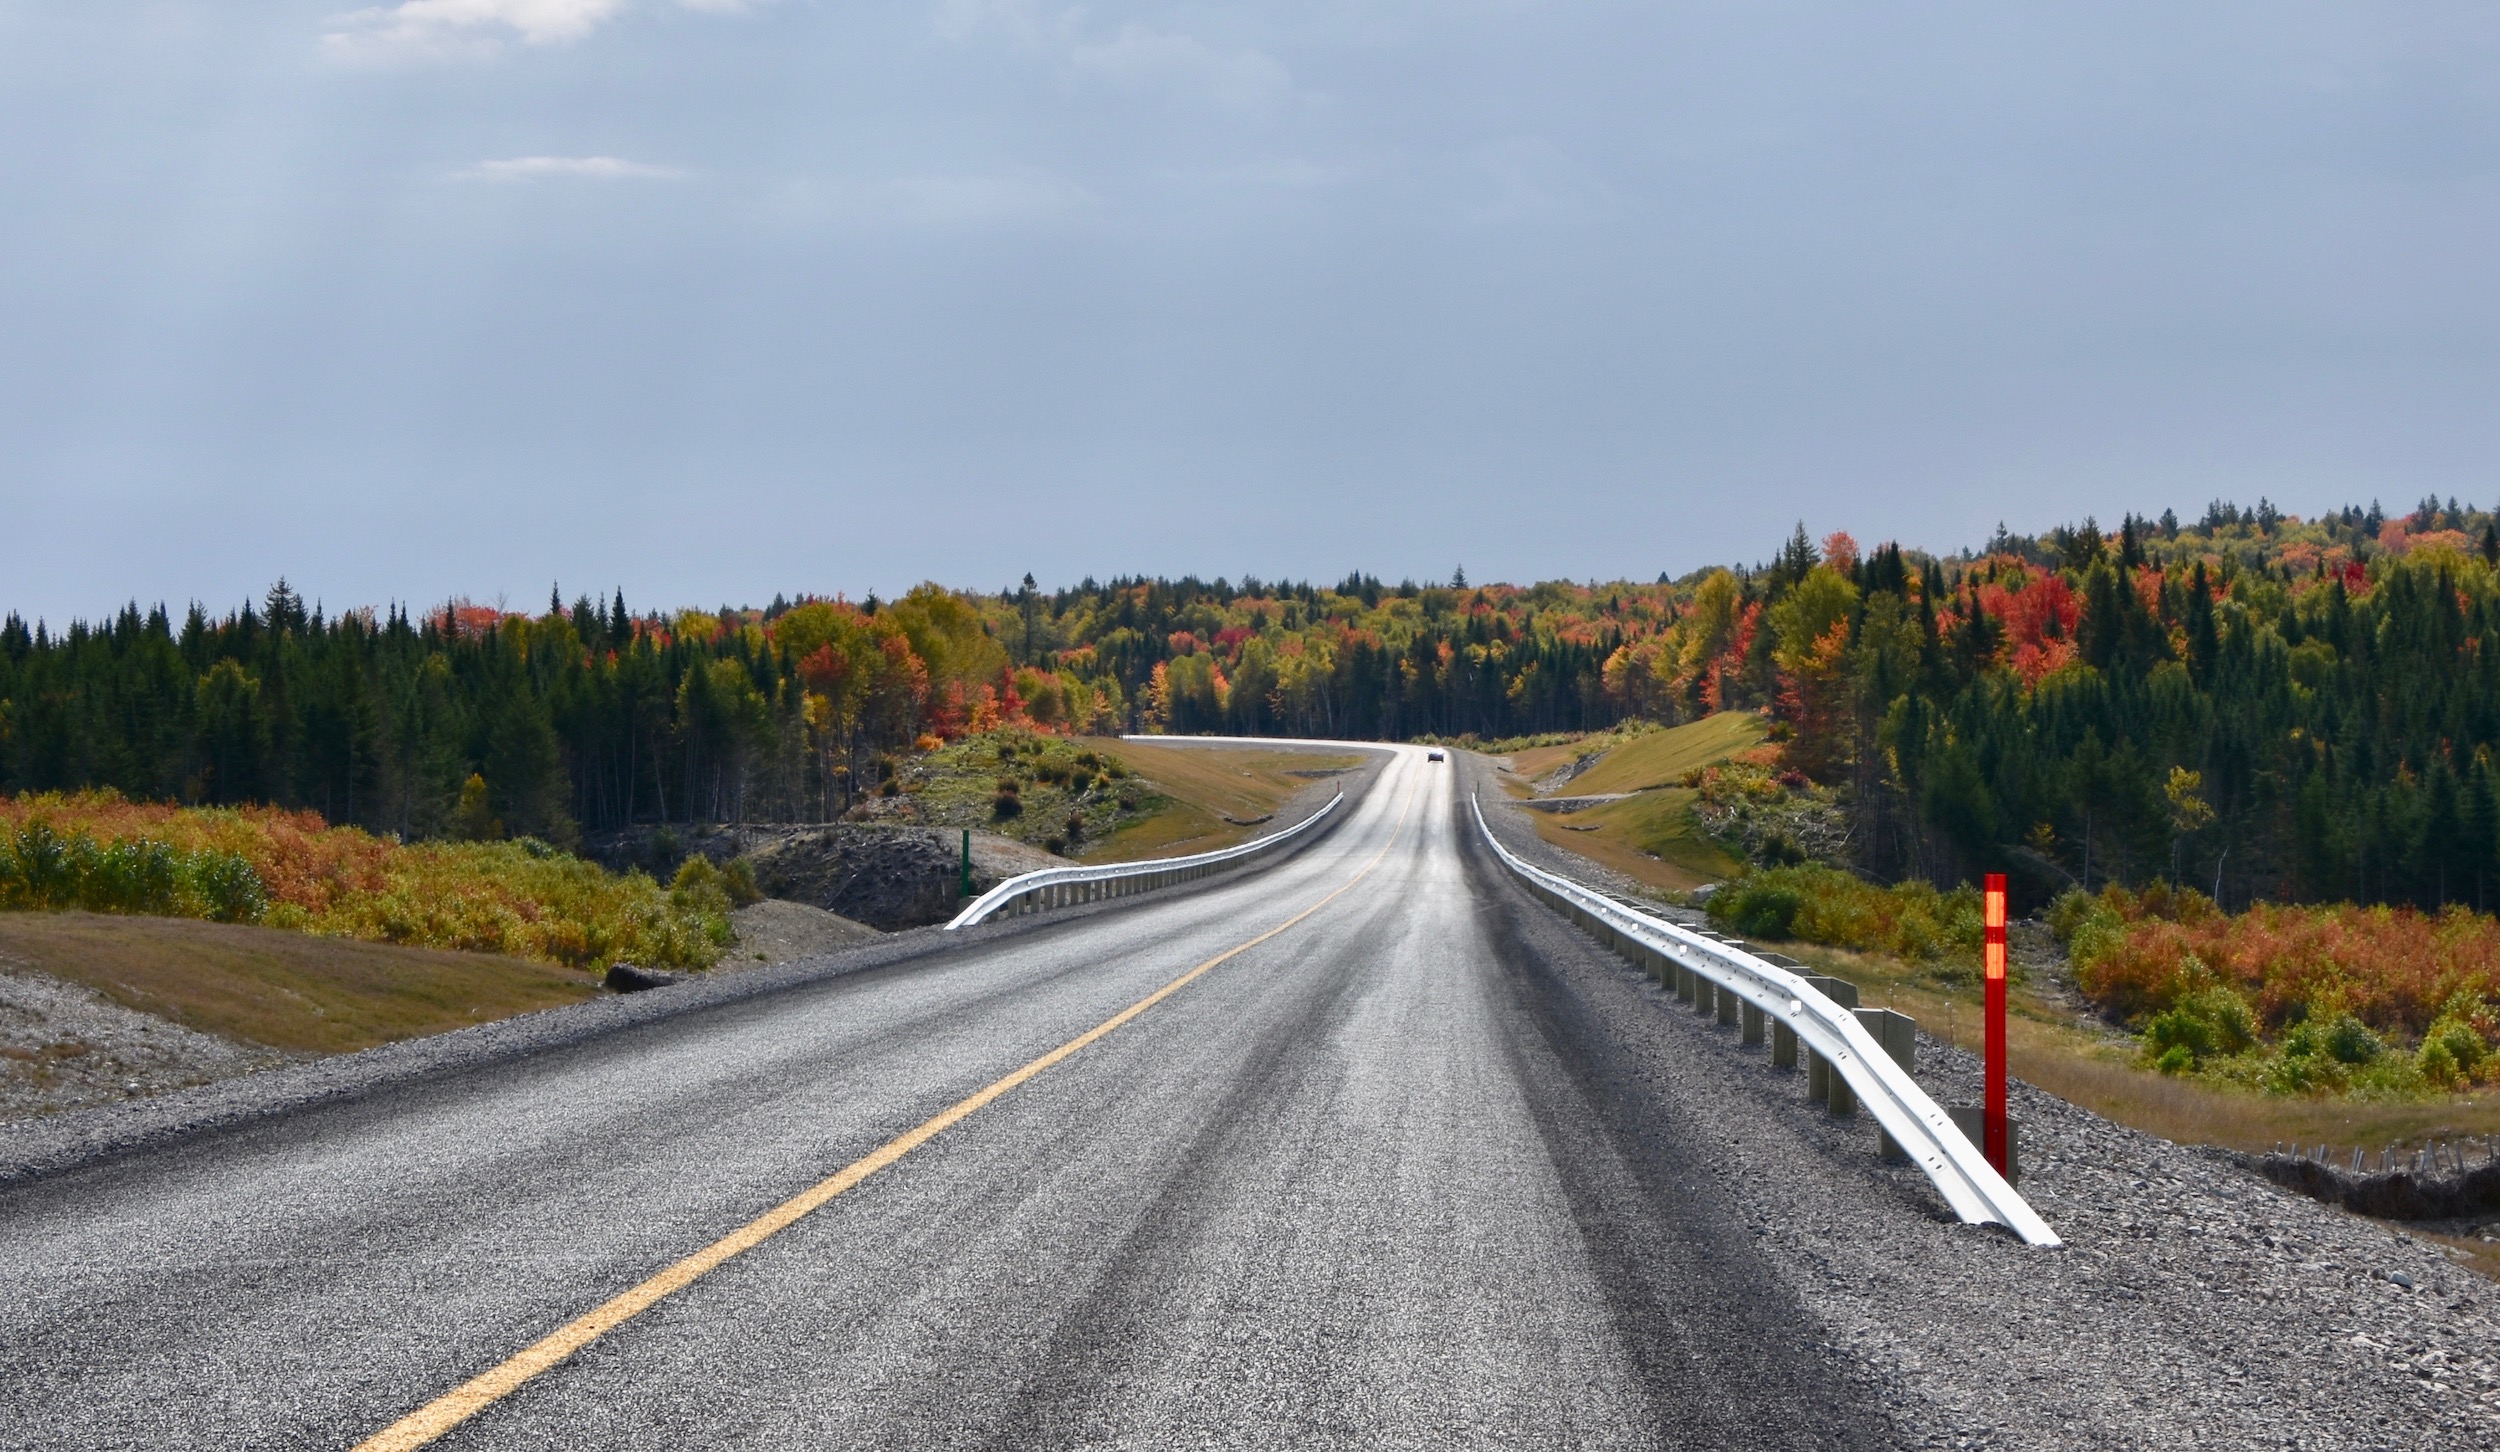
[[1649, 838], [1537, 761], [2471, 1251], [284, 990], [1661, 758], [1643, 759], [1220, 795]]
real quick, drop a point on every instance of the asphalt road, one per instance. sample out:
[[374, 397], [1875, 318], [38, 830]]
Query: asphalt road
[[1370, 1182]]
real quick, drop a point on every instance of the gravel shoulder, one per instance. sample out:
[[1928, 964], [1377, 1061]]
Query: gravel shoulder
[[65, 1046], [2195, 1304]]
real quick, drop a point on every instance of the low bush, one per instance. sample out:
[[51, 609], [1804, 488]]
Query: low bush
[[2337, 989], [98, 852], [1826, 905], [43, 869]]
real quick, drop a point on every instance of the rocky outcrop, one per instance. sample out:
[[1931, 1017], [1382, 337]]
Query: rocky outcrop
[[888, 877]]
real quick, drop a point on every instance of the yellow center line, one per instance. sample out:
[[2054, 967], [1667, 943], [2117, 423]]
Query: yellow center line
[[453, 1407]]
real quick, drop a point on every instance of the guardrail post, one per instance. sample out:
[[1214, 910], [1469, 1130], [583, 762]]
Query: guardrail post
[[1727, 1007], [1705, 995], [1783, 1038], [1821, 1083], [1971, 1120], [1685, 978], [1898, 1033]]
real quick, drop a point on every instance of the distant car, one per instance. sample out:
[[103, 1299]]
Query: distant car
[[1432, 755]]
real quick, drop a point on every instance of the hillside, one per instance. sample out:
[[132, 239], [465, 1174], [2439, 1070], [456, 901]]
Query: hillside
[[1648, 830]]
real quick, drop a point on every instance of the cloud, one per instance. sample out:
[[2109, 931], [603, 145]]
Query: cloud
[[1528, 178], [944, 201], [1138, 56], [1135, 56], [542, 168], [457, 29], [1023, 20]]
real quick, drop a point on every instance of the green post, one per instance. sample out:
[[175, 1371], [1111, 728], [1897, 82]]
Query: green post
[[967, 880]]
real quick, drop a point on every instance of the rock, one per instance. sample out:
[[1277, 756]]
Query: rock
[[626, 978], [888, 877]]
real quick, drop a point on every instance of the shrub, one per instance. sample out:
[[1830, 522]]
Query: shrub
[[2456, 1038], [1760, 909], [1826, 905], [738, 880], [2211, 1023], [2397, 975], [1006, 805], [43, 869], [291, 870]]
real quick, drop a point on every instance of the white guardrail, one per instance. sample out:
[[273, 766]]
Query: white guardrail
[[1052, 887], [1914, 1122]]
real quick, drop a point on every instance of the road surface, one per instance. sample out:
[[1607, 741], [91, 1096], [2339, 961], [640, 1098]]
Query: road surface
[[1367, 1181]]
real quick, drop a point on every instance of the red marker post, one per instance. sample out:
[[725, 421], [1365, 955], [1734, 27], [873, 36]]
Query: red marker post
[[1992, 1114]]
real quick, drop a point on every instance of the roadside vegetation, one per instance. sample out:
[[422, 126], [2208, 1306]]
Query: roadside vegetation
[[2345, 1026], [2377, 1002], [96, 852], [1913, 921]]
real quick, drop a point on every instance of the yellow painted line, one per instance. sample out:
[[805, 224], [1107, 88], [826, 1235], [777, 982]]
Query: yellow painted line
[[453, 1407]]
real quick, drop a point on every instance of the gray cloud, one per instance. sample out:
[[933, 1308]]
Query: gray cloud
[[838, 296]]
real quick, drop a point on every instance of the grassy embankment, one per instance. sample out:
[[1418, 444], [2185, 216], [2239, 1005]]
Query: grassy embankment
[[1649, 835], [1098, 799], [282, 990], [1211, 796], [275, 928]]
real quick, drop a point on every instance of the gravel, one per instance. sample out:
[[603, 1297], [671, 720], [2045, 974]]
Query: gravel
[[65, 1046], [2195, 1304], [774, 931]]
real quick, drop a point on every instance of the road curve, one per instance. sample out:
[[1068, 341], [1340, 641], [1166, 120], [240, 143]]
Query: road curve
[[1366, 1181]]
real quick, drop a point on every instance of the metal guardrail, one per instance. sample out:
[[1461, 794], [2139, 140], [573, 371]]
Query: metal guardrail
[[1052, 887], [1924, 1132]]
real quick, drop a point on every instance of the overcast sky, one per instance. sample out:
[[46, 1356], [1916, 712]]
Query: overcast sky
[[709, 299]]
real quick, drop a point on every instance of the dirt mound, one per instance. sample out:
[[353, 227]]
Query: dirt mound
[[775, 931]]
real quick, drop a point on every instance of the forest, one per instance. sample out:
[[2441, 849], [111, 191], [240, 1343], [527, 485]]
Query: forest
[[2254, 704]]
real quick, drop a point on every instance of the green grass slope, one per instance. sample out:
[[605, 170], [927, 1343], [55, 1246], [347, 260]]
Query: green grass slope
[[1661, 758]]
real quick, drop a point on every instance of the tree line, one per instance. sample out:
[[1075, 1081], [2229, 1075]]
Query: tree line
[[2253, 704], [467, 721]]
